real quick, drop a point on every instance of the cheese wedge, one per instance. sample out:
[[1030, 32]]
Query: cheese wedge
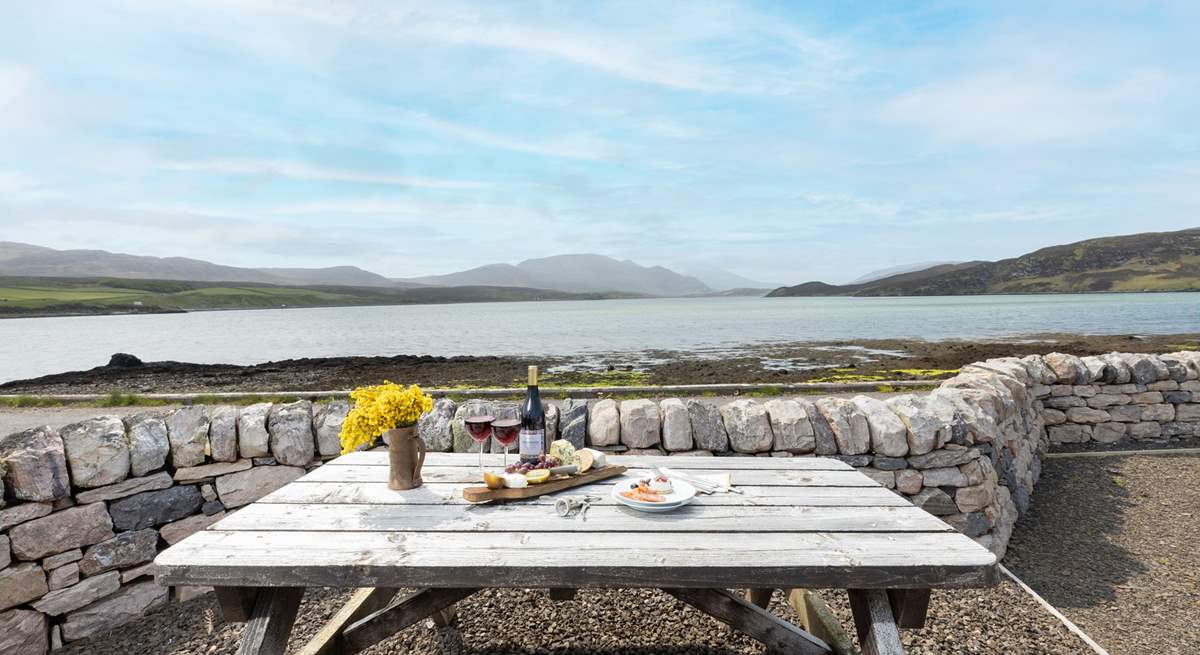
[[599, 459], [564, 452]]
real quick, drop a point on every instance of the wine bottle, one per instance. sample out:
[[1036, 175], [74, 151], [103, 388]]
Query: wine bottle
[[533, 421]]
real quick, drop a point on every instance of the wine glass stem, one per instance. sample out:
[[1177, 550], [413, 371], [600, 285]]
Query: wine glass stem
[[481, 443]]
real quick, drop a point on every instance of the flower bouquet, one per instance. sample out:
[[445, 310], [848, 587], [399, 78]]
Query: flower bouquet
[[391, 411]]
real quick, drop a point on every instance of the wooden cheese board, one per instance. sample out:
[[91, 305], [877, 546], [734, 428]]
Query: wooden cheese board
[[556, 483]]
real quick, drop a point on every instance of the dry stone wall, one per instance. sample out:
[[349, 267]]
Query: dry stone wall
[[84, 509], [1121, 396]]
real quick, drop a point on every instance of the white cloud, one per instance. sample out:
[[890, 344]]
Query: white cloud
[[304, 171], [15, 82], [653, 50], [407, 208], [19, 188], [1002, 108], [574, 147]]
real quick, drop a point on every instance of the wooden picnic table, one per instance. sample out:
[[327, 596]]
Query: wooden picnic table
[[800, 523]]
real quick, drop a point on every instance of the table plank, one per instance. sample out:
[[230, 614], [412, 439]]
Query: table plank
[[467, 474], [561, 559], [377, 493], [725, 463], [539, 518]]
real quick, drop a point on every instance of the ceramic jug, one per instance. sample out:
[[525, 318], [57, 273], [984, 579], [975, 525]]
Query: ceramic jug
[[406, 455]]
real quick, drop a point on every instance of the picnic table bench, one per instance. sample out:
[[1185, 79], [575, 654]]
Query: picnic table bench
[[800, 523]]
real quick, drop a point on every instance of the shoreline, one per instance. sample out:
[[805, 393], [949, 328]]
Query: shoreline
[[848, 361], [98, 311]]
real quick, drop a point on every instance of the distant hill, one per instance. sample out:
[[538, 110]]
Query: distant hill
[[896, 270], [65, 296], [1151, 261], [580, 273], [22, 259], [721, 279], [566, 273]]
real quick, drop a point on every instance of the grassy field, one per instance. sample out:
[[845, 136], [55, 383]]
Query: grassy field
[[72, 296]]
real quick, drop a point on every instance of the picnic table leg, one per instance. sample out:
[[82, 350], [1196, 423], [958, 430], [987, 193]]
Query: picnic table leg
[[236, 603], [377, 626], [777, 634], [361, 603], [909, 606], [875, 622], [271, 621], [817, 619], [445, 617], [760, 597]]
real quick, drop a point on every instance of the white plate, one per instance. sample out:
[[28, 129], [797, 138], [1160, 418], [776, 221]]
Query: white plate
[[682, 493]]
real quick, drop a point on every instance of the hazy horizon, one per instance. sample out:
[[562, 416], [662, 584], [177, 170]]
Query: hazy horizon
[[782, 143]]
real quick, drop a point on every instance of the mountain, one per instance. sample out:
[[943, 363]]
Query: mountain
[[68, 296], [341, 275], [1151, 261], [22, 259], [579, 273], [896, 270], [721, 279]]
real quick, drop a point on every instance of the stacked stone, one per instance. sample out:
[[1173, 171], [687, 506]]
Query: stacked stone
[[969, 452], [1119, 396], [84, 509], [91, 504]]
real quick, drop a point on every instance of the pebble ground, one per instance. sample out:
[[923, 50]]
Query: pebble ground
[[1001, 620], [1112, 542]]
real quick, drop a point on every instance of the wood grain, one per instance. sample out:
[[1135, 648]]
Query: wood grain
[[270, 625], [909, 606], [818, 620], [377, 493], [800, 523], [520, 518], [774, 632], [236, 603], [380, 625], [875, 623], [563, 559], [364, 601], [483, 494]]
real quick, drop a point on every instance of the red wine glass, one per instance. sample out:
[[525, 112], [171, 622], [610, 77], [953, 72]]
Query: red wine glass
[[506, 430], [480, 428]]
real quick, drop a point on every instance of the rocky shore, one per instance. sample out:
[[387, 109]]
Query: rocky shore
[[839, 361]]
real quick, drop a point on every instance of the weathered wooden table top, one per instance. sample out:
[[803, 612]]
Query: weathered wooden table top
[[801, 522]]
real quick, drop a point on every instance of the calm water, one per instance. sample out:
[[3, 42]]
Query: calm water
[[37, 346]]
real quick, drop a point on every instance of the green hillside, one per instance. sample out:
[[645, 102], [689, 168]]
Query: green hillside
[[1152, 261], [33, 296]]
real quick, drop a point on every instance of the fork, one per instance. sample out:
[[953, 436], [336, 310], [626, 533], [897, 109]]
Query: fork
[[700, 485]]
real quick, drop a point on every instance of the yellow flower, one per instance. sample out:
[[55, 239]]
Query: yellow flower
[[380, 408]]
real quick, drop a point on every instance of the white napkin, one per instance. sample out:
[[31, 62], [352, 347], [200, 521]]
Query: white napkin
[[721, 481]]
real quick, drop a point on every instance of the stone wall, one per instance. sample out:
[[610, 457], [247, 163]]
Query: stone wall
[[84, 509], [1120, 396]]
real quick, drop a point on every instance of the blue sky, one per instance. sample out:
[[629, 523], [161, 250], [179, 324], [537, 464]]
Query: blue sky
[[783, 141]]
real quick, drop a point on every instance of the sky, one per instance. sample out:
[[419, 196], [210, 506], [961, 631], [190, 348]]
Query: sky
[[783, 141]]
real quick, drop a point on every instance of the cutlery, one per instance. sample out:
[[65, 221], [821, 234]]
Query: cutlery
[[706, 486]]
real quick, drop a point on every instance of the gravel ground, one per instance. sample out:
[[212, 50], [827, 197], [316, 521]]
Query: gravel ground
[[1002, 620], [1112, 543]]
